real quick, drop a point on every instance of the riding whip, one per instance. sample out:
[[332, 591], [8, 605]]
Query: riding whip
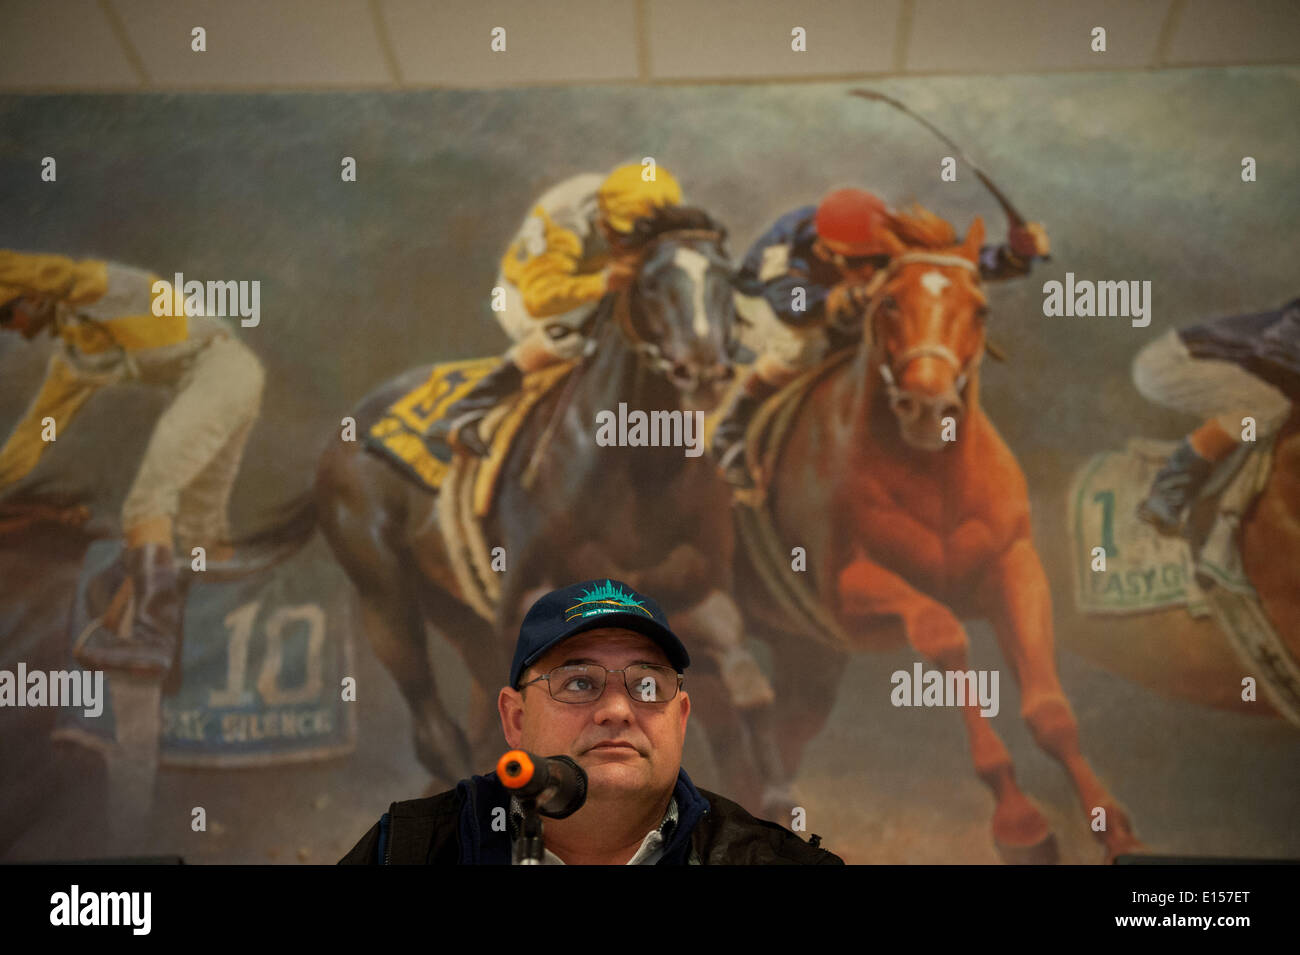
[[1013, 214]]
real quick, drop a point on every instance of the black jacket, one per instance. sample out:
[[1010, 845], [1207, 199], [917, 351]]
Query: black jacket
[[454, 828]]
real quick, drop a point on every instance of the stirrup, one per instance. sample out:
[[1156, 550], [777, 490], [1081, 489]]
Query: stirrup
[[463, 434], [1161, 522]]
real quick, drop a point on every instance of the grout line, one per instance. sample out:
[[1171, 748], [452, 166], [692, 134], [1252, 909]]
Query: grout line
[[903, 35], [643, 41], [386, 43], [1167, 29], [118, 28], [774, 80]]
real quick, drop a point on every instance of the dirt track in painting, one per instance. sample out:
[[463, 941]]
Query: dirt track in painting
[[880, 784]]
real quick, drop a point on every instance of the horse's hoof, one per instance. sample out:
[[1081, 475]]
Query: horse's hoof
[[1042, 852]]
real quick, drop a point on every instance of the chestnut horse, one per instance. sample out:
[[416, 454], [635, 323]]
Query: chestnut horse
[[914, 515]]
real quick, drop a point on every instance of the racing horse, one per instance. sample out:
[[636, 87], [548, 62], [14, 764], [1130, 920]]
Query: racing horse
[[653, 517], [1192, 659], [914, 515]]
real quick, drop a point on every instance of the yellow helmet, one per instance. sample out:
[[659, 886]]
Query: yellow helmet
[[626, 196]]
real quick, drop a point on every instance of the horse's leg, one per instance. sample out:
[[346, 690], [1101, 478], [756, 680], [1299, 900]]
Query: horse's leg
[[355, 518], [394, 625], [1017, 601], [715, 625], [727, 736], [867, 591], [807, 680], [488, 662]]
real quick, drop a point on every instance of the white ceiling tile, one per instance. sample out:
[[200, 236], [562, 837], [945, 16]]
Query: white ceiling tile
[[69, 44], [752, 38], [252, 43], [1247, 31], [450, 44], [1013, 36]]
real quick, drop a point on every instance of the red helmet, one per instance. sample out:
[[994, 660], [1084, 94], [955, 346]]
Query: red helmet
[[850, 221]]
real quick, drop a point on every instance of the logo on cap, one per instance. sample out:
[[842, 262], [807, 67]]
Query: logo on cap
[[604, 598]]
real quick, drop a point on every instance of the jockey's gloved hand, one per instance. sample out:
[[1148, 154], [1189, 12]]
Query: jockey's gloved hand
[[846, 304], [622, 272], [1029, 241]]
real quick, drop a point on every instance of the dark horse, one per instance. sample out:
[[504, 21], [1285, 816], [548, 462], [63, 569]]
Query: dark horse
[[651, 516]]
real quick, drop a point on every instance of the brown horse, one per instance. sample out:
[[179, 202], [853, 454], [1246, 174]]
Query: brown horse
[[1191, 659], [914, 515]]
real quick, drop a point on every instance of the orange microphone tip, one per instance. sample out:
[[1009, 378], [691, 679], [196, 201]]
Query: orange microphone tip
[[515, 769]]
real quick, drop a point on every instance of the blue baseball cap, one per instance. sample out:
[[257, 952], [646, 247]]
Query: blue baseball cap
[[591, 605]]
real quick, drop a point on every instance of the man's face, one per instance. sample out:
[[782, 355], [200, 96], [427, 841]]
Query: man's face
[[624, 745]]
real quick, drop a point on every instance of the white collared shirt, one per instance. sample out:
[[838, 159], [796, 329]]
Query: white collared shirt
[[652, 846]]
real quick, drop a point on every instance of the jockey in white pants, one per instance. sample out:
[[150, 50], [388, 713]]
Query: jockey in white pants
[[103, 315], [1221, 371]]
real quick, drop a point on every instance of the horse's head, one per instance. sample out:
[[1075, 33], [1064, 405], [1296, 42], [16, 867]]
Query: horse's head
[[925, 325], [679, 309]]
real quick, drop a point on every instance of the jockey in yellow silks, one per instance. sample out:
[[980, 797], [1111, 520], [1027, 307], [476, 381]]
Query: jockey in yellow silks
[[109, 330], [568, 253]]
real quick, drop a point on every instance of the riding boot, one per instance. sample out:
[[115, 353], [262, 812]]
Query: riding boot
[[150, 646], [729, 438], [463, 416], [1174, 488], [103, 588]]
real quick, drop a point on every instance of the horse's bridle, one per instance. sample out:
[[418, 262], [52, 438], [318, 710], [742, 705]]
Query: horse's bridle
[[878, 282], [649, 351]]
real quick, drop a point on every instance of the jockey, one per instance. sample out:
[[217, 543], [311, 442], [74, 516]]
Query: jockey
[[1221, 371], [103, 316], [802, 284], [567, 255]]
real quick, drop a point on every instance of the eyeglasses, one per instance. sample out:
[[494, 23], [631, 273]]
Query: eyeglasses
[[585, 682]]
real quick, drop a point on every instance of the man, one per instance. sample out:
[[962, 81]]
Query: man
[[103, 315], [803, 285], [568, 254], [1222, 371], [597, 677]]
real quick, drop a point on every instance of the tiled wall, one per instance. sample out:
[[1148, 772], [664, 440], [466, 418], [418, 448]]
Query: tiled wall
[[296, 44]]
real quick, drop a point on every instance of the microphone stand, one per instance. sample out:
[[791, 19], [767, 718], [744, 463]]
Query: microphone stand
[[529, 849]]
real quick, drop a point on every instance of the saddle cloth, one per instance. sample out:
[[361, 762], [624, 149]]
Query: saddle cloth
[[405, 434]]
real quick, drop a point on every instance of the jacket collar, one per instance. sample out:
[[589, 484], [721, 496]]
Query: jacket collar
[[483, 844]]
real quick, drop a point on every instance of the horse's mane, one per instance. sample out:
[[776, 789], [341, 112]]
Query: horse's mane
[[918, 227], [671, 219]]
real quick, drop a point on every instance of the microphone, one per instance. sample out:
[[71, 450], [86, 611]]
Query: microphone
[[556, 784]]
